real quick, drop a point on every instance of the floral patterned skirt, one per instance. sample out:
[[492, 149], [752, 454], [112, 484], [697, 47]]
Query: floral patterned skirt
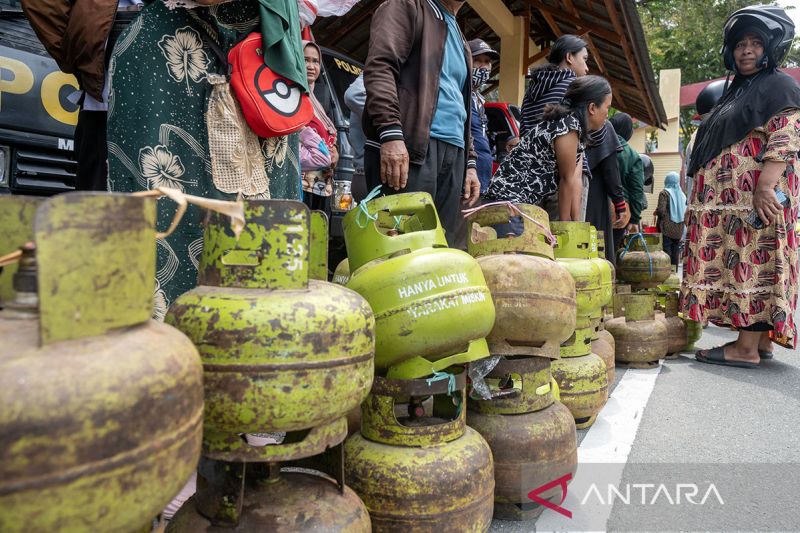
[[157, 134], [734, 274]]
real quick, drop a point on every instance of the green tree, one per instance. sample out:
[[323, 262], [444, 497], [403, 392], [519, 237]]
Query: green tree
[[687, 34]]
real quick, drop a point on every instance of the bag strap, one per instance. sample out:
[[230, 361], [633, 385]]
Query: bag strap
[[209, 41]]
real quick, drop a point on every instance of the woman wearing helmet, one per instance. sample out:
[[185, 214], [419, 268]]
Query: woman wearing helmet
[[740, 264]]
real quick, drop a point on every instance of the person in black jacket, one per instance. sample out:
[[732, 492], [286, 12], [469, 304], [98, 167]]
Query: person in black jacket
[[605, 185]]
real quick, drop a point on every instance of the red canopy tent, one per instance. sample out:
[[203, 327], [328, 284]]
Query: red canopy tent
[[689, 92]]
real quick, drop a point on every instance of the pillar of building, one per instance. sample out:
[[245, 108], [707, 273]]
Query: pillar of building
[[666, 155], [512, 63], [514, 44]]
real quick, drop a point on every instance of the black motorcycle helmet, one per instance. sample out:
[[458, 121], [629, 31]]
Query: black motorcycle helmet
[[709, 97], [648, 169], [770, 22]]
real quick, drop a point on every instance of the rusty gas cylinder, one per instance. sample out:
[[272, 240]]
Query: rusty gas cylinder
[[673, 282], [102, 407], [642, 262], [431, 303], [605, 350], [602, 333], [677, 335], [534, 296], [620, 290], [281, 352], [531, 434], [583, 385], [519, 385], [269, 498], [641, 340], [424, 471], [529, 450]]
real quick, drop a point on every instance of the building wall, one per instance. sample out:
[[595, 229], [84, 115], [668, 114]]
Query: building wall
[[663, 163], [666, 157]]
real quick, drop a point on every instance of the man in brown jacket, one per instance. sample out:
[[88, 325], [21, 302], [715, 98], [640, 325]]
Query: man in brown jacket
[[416, 119], [79, 35]]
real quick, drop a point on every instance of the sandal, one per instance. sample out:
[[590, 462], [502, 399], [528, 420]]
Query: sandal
[[763, 354], [716, 356]]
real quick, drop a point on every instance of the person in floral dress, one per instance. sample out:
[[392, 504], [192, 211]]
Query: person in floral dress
[[157, 134], [740, 264]]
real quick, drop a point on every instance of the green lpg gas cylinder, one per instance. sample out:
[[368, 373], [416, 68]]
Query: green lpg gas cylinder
[[694, 330], [342, 273], [603, 254], [534, 296], [102, 407], [16, 228], [671, 284], [318, 252], [424, 471], [606, 268], [579, 240], [576, 250], [583, 386], [281, 352], [642, 262], [431, 303]]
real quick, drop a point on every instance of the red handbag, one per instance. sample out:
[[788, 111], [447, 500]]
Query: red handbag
[[271, 104]]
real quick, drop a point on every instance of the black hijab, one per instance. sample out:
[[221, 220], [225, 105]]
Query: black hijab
[[623, 125], [603, 144], [749, 102]]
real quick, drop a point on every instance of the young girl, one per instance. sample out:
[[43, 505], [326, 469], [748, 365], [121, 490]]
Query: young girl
[[566, 61], [546, 158]]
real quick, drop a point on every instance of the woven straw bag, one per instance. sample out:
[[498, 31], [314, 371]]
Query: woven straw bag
[[237, 163]]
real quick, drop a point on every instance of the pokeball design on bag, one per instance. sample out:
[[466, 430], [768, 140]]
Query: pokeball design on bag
[[280, 94]]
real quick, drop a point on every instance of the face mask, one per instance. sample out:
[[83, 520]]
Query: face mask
[[480, 76]]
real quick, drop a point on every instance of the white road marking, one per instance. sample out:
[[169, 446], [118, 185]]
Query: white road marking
[[607, 443]]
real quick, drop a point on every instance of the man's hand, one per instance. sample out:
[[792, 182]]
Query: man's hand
[[394, 164], [622, 218], [633, 228], [472, 187]]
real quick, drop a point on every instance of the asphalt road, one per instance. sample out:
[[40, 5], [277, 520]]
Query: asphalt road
[[703, 425]]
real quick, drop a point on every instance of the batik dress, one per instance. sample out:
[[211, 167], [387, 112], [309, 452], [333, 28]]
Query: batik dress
[[736, 275], [157, 133], [530, 172]]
